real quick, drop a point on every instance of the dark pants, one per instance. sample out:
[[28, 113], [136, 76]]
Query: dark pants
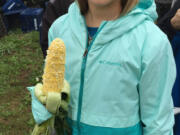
[[3, 30], [176, 89]]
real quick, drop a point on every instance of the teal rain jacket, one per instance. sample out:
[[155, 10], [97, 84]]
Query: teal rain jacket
[[122, 84]]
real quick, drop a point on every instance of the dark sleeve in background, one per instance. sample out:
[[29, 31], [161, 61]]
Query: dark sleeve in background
[[53, 11], [164, 22]]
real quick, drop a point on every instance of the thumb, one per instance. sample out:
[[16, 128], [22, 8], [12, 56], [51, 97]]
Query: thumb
[[39, 93]]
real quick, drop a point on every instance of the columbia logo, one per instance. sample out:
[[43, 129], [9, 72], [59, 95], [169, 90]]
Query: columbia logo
[[109, 63]]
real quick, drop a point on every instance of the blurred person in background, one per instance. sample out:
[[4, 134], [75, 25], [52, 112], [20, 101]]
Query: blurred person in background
[[170, 22], [55, 9]]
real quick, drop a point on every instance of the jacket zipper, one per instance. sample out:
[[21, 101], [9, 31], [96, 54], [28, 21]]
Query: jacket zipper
[[83, 67]]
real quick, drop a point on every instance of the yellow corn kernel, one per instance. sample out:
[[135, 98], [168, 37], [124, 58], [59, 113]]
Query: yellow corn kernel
[[53, 76]]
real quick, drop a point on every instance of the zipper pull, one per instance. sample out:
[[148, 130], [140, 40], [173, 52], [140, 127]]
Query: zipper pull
[[85, 53]]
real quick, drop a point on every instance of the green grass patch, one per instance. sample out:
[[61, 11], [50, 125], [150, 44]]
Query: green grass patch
[[21, 63]]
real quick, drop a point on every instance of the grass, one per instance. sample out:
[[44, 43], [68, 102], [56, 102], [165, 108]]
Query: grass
[[21, 63]]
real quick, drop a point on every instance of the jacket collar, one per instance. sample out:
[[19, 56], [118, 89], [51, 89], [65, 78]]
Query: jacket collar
[[145, 10]]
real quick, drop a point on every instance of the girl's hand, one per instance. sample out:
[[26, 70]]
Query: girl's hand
[[175, 21], [54, 100]]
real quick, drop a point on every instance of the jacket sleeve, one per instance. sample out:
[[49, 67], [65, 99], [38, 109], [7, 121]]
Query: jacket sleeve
[[155, 87]]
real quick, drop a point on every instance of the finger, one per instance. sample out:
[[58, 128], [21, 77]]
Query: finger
[[38, 90]]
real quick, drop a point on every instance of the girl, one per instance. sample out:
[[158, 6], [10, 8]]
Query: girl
[[120, 68]]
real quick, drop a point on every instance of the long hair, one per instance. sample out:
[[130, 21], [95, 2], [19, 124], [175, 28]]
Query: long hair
[[127, 6]]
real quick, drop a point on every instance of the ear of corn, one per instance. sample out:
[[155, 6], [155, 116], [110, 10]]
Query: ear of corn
[[53, 77]]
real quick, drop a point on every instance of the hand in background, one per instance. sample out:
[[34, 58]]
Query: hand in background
[[175, 21]]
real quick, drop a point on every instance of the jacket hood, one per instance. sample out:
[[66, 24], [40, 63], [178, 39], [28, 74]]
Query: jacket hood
[[144, 10], [148, 7]]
